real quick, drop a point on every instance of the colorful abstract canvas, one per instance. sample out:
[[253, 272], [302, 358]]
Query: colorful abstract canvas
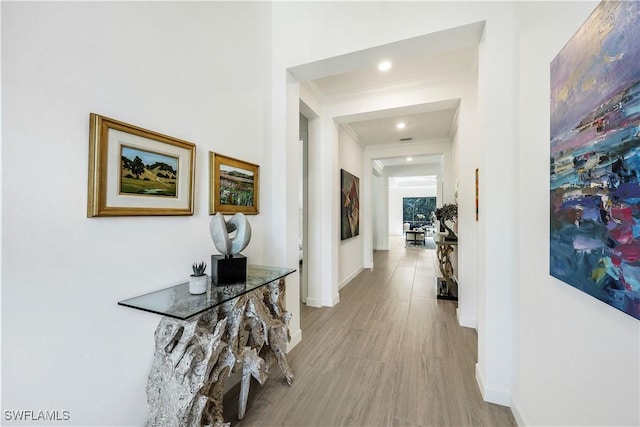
[[595, 158], [350, 211]]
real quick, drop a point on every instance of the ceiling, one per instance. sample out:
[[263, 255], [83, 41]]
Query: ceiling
[[419, 69], [427, 126], [421, 62]]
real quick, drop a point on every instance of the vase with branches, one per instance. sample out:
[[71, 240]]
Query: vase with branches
[[448, 212]]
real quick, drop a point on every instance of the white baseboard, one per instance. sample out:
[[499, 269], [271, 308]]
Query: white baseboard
[[296, 338], [350, 277], [517, 414], [499, 397], [466, 322], [314, 302], [335, 300], [322, 302]]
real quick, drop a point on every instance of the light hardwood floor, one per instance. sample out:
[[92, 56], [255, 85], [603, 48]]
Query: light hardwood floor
[[389, 354]]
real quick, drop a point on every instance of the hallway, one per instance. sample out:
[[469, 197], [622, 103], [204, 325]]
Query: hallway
[[389, 354]]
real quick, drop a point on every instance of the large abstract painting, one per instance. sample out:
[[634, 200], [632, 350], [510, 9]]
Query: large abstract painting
[[595, 158], [350, 211]]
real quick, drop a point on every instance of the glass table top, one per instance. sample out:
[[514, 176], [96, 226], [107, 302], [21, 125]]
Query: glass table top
[[177, 302]]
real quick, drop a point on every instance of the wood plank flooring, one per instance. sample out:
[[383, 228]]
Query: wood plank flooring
[[389, 354]]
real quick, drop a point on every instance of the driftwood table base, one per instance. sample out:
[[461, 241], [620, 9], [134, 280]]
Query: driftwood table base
[[448, 287], [194, 357]]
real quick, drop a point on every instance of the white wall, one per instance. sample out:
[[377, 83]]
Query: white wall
[[467, 154], [578, 359], [350, 250], [497, 266], [168, 67], [396, 194], [377, 184]]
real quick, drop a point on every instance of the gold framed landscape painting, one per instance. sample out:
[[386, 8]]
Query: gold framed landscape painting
[[135, 171], [234, 185]]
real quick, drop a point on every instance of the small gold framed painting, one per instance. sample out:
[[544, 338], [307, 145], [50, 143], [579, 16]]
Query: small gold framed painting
[[134, 171], [234, 185]]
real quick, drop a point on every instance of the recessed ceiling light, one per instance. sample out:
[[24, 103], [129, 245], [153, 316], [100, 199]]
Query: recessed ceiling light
[[400, 125], [384, 66], [409, 159]]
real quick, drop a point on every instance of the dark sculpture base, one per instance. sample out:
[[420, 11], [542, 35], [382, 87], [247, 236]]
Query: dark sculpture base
[[227, 271], [447, 289]]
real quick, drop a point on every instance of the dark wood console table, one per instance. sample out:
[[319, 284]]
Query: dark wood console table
[[201, 339]]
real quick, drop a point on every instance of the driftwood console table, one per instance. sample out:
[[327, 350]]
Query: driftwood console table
[[201, 339], [447, 284]]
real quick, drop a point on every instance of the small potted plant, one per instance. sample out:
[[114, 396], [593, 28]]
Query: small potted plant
[[198, 281]]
